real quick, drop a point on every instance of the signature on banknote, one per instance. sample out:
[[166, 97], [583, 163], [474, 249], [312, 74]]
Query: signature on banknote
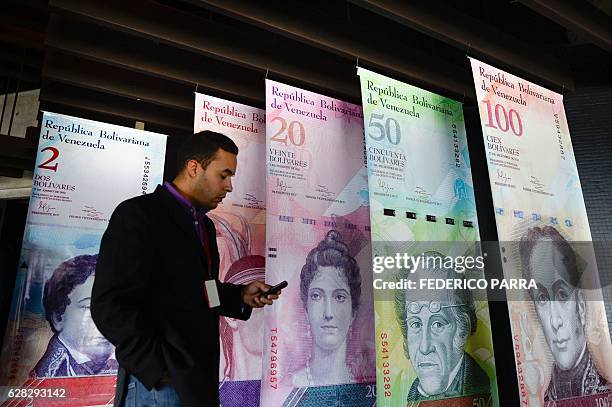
[[91, 211], [537, 184], [324, 191], [252, 199], [505, 178], [44, 206], [386, 187], [421, 191], [282, 185]]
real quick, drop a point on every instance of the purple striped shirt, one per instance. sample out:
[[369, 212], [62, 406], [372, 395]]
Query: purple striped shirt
[[198, 223], [197, 216]]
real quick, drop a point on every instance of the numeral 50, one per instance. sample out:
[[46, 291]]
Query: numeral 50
[[382, 131]]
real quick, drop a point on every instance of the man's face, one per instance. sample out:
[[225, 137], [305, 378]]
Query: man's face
[[329, 308], [430, 342], [77, 329], [210, 185], [560, 310]]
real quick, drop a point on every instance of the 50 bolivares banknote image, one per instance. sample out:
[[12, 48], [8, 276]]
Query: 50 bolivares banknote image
[[426, 272]]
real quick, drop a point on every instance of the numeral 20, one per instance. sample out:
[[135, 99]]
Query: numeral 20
[[47, 164], [510, 119], [297, 139]]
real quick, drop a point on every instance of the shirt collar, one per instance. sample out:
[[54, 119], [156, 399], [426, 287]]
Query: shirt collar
[[183, 201]]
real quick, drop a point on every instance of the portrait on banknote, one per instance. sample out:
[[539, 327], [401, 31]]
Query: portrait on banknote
[[560, 306], [330, 289], [436, 326], [76, 348], [56, 334]]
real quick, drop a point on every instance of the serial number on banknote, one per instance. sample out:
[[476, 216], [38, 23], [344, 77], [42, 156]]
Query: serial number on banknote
[[386, 371], [145, 175], [273, 358], [29, 393]]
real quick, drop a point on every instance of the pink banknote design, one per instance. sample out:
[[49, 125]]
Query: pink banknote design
[[560, 332], [319, 337], [241, 233]]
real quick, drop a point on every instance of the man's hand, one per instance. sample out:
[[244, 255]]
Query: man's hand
[[252, 294]]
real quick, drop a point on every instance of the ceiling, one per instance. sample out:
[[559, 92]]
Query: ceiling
[[141, 60]]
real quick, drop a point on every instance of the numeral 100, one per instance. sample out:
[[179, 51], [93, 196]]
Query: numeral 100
[[504, 120]]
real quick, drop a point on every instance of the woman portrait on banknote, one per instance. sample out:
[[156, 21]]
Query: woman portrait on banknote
[[330, 289]]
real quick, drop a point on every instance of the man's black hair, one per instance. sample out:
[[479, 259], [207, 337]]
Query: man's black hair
[[202, 147]]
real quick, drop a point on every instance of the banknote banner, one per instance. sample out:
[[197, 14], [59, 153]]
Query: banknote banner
[[84, 169], [240, 221], [433, 347], [561, 341], [318, 337]]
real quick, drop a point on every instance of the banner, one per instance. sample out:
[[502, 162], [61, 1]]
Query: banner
[[241, 237], [52, 350], [561, 341], [432, 344], [318, 338]]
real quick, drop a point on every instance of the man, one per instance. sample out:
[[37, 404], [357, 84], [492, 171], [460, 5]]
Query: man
[[157, 296], [561, 308], [436, 326], [76, 348]]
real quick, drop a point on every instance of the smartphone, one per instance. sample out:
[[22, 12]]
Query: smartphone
[[276, 288]]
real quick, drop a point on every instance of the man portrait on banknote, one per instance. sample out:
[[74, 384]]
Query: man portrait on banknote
[[436, 325], [76, 348], [547, 257], [330, 289]]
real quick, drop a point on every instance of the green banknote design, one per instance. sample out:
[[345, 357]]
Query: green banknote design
[[432, 345]]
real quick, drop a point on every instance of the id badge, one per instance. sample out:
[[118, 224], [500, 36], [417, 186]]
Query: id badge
[[212, 294]]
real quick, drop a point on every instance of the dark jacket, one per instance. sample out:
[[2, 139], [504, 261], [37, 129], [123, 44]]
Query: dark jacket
[[148, 297]]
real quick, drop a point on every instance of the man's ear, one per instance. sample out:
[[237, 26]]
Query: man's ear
[[58, 322], [192, 167]]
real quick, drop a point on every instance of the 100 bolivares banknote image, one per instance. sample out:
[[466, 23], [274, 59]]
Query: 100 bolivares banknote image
[[561, 339], [318, 341], [433, 346]]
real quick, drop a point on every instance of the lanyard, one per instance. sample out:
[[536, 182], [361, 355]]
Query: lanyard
[[203, 235]]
